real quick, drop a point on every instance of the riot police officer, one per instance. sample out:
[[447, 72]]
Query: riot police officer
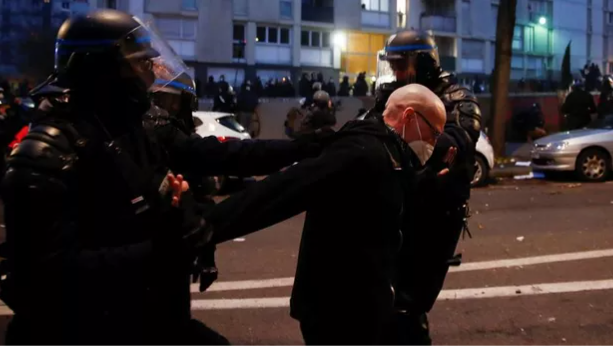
[[12, 120], [433, 226], [111, 246]]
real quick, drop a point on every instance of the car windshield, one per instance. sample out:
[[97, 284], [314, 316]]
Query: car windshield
[[603, 123], [230, 122]]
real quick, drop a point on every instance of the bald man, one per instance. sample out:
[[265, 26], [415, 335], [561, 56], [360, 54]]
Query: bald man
[[343, 289]]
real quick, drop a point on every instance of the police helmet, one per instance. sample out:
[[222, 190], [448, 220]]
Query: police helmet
[[111, 49], [411, 56]]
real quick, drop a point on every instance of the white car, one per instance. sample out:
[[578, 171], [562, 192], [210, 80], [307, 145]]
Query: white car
[[484, 160], [225, 127], [222, 125]]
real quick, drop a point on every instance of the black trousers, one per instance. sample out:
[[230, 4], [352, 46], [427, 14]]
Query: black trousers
[[409, 330], [349, 330], [192, 333]]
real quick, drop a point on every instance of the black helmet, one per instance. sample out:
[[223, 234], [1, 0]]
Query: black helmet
[[111, 50], [412, 57], [178, 98]]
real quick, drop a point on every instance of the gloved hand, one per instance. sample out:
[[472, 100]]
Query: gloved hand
[[184, 214], [205, 269]]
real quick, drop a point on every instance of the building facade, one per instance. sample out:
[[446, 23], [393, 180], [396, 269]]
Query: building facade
[[284, 38]]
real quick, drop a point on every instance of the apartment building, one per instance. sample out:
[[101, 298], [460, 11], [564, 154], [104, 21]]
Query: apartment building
[[543, 30], [273, 38]]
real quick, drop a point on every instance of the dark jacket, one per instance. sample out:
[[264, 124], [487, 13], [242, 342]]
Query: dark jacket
[[318, 118], [351, 231], [578, 108], [247, 101], [113, 271]]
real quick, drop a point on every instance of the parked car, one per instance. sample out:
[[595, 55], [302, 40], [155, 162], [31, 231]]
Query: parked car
[[586, 152], [484, 161], [225, 127]]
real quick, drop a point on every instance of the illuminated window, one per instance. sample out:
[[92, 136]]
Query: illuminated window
[[361, 53]]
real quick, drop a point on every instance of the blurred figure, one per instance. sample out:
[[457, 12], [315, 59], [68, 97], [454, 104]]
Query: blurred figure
[[259, 87], [330, 87], [360, 88], [478, 86], [320, 114], [210, 89], [225, 98], [344, 88], [246, 105], [304, 86], [222, 83], [605, 105], [530, 123], [578, 107]]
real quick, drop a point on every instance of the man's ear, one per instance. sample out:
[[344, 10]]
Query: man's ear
[[407, 115]]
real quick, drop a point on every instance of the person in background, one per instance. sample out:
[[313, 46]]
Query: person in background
[[344, 89], [605, 105], [330, 87], [578, 107], [210, 89], [360, 88], [247, 103], [304, 86], [259, 87], [320, 114]]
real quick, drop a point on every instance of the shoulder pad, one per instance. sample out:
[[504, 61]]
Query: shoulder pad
[[44, 148], [455, 93]]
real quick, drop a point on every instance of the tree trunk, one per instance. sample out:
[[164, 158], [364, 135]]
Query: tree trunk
[[502, 73]]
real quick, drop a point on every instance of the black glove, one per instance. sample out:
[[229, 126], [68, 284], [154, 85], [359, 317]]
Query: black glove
[[205, 269]]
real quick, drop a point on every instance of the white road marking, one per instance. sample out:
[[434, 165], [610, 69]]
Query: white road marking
[[451, 294], [543, 259], [242, 285], [474, 266]]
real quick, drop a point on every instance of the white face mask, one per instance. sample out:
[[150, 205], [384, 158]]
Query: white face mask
[[422, 149]]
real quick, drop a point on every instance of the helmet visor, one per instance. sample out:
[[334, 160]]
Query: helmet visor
[[407, 62], [144, 50]]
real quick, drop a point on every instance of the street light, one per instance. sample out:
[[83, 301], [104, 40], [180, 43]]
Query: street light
[[542, 20], [339, 39]]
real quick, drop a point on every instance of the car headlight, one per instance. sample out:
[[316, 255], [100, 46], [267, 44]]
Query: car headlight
[[557, 145]]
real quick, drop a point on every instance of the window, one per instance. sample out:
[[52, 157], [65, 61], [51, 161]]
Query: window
[[111, 4], [174, 28], [315, 39], [66, 5], [537, 6], [517, 62], [376, 5], [238, 45], [285, 36], [286, 9], [239, 32], [518, 38], [610, 18], [189, 5], [260, 35], [315, 42], [274, 35], [305, 38]]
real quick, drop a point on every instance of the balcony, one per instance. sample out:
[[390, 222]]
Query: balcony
[[318, 14], [438, 23], [316, 56], [375, 19]]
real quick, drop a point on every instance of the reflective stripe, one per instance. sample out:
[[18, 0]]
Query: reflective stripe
[[410, 48], [175, 84], [63, 42]]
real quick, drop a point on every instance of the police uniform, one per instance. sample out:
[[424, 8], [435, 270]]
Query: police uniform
[[433, 223]]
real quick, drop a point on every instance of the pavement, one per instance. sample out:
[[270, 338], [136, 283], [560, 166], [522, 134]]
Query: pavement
[[538, 271]]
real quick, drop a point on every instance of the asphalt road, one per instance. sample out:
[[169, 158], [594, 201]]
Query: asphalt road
[[563, 298]]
